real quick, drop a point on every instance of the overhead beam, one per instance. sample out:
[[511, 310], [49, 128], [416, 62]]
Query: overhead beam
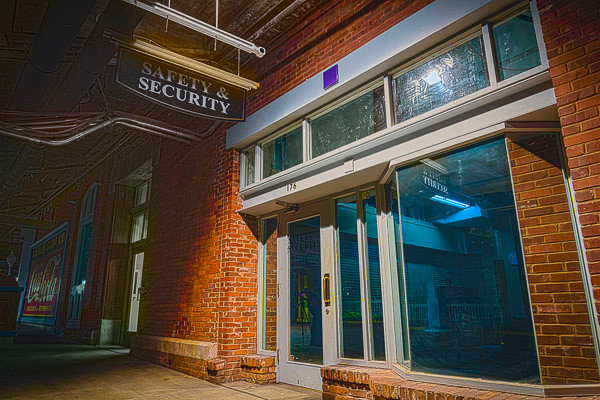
[[22, 222]]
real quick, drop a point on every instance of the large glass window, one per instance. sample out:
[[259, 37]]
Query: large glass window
[[282, 152], [373, 275], [516, 46], [354, 119], [466, 295], [448, 77], [361, 306], [351, 327]]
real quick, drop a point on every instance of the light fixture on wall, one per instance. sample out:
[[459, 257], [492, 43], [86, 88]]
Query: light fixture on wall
[[10, 260], [290, 208]]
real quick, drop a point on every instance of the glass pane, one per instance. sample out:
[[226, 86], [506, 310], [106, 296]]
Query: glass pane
[[137, 227], [374, 275], [249, 160], [269, 317], [145, 231], [306, 324], [282, 153], [84, 249], [448, 77], [349, 122], [351, 328], [516, 46], [141, 194], [465, 297], [404, 350]]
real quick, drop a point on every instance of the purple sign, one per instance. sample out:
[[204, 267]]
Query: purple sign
[[330, 77]]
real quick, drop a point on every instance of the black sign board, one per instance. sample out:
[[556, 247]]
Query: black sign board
[[179, 88]]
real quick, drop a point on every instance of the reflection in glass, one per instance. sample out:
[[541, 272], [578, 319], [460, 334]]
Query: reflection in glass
[[306, 324], [468, 312], [282, 152], [353, 120], [249, 160], [269, 308], [516, 46], [351, 328], [373, 275], [448, 77]]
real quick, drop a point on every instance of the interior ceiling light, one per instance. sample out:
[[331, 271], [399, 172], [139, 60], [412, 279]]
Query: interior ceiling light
[[450, 202], [197, 25]]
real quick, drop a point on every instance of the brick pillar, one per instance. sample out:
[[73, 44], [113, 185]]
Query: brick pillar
[[558, 300], [572, 35]]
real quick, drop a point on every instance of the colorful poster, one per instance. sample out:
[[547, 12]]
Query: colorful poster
[[45, 273]]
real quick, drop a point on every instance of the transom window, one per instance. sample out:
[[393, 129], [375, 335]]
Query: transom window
[[475, 64]]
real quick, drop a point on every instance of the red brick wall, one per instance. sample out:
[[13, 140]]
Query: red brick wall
[[559, 306], [200, 265], [572, 34]]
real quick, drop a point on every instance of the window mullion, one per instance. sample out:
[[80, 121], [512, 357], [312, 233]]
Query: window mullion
[[389, 104], [490, 55], [305, 140]]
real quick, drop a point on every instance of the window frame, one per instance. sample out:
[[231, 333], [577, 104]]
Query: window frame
[[402, 363], [484, 28]]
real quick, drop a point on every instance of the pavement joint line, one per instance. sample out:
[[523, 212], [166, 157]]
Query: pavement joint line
[[241, 391]]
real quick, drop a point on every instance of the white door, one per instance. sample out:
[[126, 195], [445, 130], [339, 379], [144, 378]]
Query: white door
[[305, 313], [136, 284]]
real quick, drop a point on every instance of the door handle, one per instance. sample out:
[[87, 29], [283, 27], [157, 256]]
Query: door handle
[[327, 290]]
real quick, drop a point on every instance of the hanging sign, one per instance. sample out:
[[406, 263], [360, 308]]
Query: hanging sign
[[45, 273], [179, 88]]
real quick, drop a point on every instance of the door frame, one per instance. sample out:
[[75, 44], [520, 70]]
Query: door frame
[[294, 372]]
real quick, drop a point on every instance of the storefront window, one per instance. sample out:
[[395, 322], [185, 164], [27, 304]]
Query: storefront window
[[466, 295], [448, 77], [282, 152], [516, 46], [269, 285], [369, 210], [351, 328], [355, 119], [249, 160]]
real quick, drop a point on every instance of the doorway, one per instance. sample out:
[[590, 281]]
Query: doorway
[[305, 312], [136, 284]]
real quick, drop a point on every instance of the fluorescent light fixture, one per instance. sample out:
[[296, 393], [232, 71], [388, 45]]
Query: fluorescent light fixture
[[199, 26], [179, 60], [450, 202], [432, 77]]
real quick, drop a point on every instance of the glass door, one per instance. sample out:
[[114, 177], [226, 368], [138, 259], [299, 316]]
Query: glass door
[[136, 284], [306, 322]]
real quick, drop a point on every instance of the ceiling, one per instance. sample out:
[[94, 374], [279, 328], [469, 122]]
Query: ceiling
[[32, 174]]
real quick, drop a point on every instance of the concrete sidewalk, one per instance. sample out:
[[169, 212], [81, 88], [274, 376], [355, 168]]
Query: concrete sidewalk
[[41, 366]]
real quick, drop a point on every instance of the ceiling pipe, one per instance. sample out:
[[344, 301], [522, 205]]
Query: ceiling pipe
[[199, 26], [95, 55], [59, 27], [123, 120]]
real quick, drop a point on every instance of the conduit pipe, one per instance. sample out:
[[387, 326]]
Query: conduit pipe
[[122, 120], [199, 26]]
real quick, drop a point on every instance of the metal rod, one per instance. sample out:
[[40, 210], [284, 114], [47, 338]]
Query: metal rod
[[197, 25]]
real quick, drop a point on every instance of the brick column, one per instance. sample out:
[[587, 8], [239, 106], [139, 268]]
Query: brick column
[[558, 300], [572, 35]]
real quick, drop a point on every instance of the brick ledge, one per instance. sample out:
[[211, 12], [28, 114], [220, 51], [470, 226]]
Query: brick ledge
[[180, 347]]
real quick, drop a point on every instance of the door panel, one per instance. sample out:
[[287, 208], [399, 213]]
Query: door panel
[[305, 313]]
